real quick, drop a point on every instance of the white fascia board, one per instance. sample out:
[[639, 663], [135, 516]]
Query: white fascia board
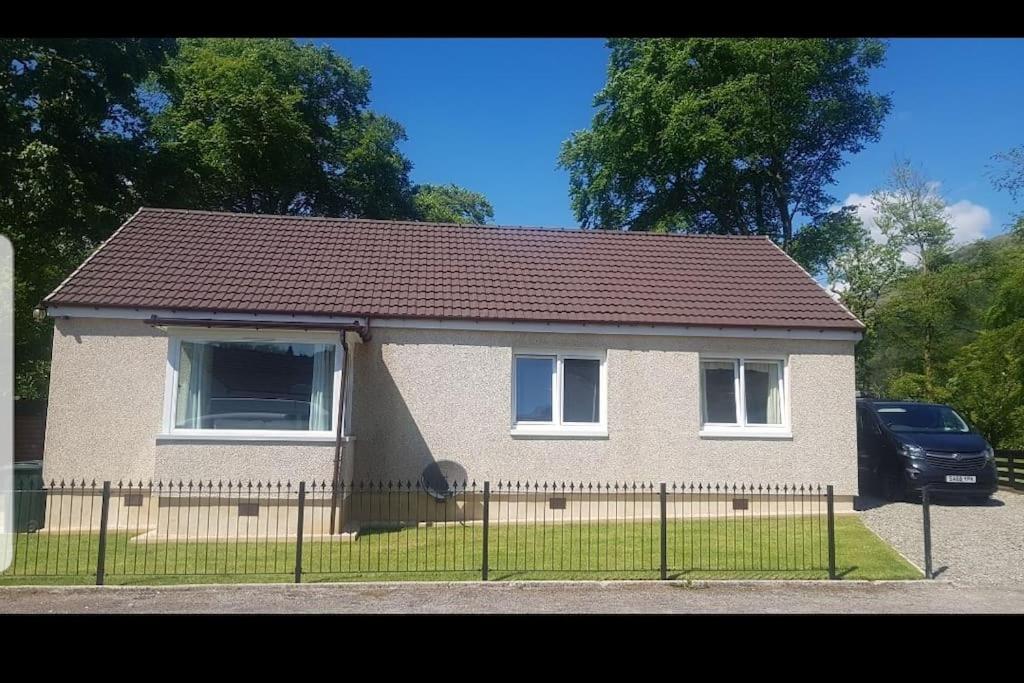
[[468, 325], [650, 330]]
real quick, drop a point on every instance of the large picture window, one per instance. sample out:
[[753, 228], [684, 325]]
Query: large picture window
[[743, 395], [267, 387], [558, 393]]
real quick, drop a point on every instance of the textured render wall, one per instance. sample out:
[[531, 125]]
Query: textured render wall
[[106, 399], [106, 409], [425, 395], [441, 395]]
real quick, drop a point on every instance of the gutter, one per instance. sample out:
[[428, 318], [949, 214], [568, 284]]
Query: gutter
[[362, 330]]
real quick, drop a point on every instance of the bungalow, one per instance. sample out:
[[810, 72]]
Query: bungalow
[[196, 345]]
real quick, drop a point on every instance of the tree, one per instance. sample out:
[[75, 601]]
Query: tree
[[988, 384], [857, 270], [1010, 178], [819, 245], [273, 126], [922, 323], [988, 374], [451, 204], [72, 143], [911, 214], [723, 135]]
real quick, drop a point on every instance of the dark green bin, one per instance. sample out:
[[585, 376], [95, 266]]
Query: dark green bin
[[29, 496]]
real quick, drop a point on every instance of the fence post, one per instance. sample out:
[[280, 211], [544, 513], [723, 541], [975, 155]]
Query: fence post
[[830, 493], [101, 555], [926, 513], [663, 495], [298, 538], [1009, 470], [487, 515]]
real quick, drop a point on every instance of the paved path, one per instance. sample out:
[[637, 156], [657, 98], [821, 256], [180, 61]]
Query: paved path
[[541, 597], [971, 544]]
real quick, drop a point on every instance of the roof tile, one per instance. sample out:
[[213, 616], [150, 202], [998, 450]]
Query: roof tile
[[205, 261]]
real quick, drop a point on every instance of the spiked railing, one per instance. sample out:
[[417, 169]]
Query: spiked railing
[[197, 530]]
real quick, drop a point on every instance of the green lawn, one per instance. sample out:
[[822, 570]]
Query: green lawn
[[793, 547]]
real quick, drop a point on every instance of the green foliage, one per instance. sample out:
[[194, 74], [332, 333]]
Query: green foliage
[[988, 384], [921, 325], [72, 142], [1009, 176], [722, 135], [451, 204], [833, 236], [92, 129], [955, 334], [272, 126], [858, 271], [911, 214]]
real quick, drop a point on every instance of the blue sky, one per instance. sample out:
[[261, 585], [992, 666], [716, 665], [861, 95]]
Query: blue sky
[[491, 115]]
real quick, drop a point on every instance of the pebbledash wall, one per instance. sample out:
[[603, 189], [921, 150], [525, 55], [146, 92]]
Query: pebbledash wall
[[423, 395]]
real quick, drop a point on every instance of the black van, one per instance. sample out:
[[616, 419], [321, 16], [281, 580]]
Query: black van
[[903, 445]]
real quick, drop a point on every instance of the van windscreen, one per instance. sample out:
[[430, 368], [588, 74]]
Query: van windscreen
[[917, 417]]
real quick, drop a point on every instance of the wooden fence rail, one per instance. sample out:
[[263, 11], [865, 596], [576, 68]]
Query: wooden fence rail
[[1010, 468]]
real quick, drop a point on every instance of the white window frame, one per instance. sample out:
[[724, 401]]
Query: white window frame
[[556, 427], [170, 432], [741, 428]]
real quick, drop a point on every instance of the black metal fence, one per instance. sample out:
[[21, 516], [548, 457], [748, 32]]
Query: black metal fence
[[1010, 469], [88, 532]]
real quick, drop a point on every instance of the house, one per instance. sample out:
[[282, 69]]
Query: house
[[209, 346]]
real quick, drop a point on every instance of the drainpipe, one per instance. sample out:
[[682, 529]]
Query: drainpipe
[[338, 432]]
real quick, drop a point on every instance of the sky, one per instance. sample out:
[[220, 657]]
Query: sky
[[491, 115]]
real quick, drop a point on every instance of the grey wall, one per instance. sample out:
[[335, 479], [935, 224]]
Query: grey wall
[[106, 409], [422, 395], [425, 395]]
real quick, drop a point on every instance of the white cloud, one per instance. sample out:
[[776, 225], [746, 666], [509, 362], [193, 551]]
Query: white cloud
[[970, 221]]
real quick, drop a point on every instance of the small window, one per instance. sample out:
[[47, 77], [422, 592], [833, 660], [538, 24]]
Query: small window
[[742, 394], [558, 393]]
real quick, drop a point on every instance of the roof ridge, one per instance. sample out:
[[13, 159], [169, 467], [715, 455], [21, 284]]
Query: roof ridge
[[439, 224]]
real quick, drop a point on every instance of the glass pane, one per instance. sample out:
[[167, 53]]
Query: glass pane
[[761, 391], [719, 400], [921, 417], [581, 387], [244, 385], [533, 388]]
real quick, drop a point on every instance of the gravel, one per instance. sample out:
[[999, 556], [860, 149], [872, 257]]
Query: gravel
[[549, 597], [972, 544]]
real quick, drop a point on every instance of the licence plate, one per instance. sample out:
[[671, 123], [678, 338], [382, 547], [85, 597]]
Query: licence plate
[[960, 479]]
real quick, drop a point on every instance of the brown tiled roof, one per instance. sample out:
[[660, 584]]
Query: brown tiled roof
[[204, 261]]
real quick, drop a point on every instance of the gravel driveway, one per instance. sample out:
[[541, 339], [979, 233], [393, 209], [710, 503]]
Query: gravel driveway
[[971, 544]]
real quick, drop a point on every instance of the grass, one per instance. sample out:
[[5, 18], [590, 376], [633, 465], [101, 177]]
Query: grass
[[764, 548]]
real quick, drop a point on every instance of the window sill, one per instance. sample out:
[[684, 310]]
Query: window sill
[[236, 437], [744, 433], [559, 433]]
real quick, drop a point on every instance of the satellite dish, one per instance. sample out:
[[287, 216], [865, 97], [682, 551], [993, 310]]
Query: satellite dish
[[440, 480]]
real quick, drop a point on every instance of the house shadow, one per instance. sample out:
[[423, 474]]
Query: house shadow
[[397, 480]]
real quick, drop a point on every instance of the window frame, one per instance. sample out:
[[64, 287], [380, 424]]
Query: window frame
[[171, 432], [556, 427], [741, 428]]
